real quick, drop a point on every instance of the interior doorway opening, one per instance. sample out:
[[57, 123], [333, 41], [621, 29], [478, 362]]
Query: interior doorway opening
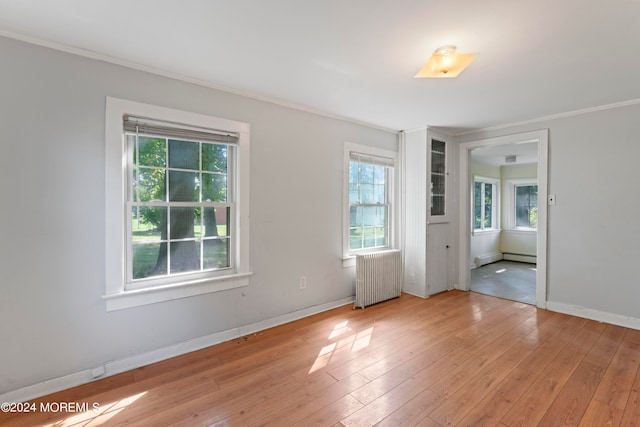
[[504, 214]]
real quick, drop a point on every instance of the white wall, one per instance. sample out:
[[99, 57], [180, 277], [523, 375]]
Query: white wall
[[593, 229], [52, 111]]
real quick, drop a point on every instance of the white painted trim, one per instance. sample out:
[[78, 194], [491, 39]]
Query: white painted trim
[[466, 204], [394, 220], [152, 295], [184, 78], [117, 296], [599, 316], [122, 365]]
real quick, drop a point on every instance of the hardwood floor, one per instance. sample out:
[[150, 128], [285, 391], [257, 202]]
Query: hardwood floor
[[458, 358]]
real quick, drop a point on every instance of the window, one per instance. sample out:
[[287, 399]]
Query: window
[[485, 203], [526, 203], [369, 208], [177, 198], [180, 201]]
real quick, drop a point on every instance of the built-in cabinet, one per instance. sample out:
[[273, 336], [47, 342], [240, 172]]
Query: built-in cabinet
[[430, 213]]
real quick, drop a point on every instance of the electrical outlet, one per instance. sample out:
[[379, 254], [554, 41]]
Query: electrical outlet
[[303, 282]]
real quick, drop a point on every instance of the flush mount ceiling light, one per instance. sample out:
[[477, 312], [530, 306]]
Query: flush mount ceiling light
[[446, 62]]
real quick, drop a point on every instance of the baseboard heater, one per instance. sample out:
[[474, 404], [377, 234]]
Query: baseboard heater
[[378, 277], [487, 259], [520, 258]]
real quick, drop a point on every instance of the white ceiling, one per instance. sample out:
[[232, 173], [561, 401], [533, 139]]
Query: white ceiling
[[357, 58], [526, 153]]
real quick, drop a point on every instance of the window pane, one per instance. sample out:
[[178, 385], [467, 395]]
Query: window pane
[[526, 206], [145, 261], [370, 215], [152, 151], [216, 253], [354, 195], [380, 193], [184, 154], [437, 163], [216, 221], [146, 224], [355, 216], [148, 185], [354, 172], [381, 215], [369, 238], [355, 238], [488, 205], [437, 205], [366, 173], [183, 186], [185, 256], [214, 187], [182, 223], [477, 205], [379, 176], [214, 158], [367, 193], [381, 236]]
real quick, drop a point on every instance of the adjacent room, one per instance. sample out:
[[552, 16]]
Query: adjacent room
[[505, 221], [193, 191]]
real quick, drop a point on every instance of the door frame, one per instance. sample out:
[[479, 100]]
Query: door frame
[[466, 197]]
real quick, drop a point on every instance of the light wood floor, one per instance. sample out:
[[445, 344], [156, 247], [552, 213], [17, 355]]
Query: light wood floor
[[454, 359]]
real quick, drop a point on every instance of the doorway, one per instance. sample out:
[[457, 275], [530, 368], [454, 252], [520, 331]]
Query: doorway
[[494, 222]]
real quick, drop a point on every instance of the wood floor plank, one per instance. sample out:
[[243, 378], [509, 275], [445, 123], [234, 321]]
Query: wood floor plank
[[574, 398], [457, 358], [533, 404]]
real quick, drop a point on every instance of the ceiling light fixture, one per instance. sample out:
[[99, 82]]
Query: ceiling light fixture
[[446, 62]]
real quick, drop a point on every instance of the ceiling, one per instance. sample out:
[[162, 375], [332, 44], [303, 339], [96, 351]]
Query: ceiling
[[356, 58], [495, 155]]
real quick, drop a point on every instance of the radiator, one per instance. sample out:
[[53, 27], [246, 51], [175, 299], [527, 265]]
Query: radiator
[[378, 277]]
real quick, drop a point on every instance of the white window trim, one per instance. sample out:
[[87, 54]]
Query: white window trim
[[511, 185], [495, 205], [116, 295], [349, 257]]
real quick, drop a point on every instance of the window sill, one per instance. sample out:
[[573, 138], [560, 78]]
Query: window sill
[[349, 261], [138, 297]]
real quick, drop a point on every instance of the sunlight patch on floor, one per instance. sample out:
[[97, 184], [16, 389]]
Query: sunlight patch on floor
[[351, 343]]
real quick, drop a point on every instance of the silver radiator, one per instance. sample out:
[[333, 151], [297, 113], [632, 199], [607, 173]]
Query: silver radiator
[[378, 277]]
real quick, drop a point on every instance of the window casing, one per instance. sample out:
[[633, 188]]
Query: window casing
[[179, 180], [369, 207], [485, 204]]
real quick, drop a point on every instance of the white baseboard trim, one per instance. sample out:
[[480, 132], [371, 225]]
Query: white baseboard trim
[[122, 365], [599, 316]]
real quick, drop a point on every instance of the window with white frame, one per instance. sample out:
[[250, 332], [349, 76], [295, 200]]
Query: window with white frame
[[369, 214], [177, 204], [485, 203], [180, 202], [526, 206]]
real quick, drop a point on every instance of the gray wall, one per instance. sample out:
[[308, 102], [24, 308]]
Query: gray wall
[[593, 229], [52, 318]]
